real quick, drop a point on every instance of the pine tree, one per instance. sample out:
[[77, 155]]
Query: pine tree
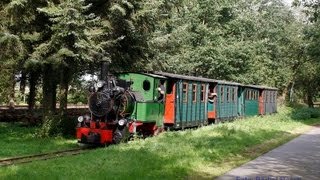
[[62, 56]]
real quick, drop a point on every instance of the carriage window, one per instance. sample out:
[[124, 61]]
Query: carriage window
[[146, 85], [185, 92], [267, 97], [221, 94], [234, 94], [271, 97], [203, 90], [228, 94], [253, 95], [247, 94], [170, 86], [274, 97], [250, 97], [194, 93]]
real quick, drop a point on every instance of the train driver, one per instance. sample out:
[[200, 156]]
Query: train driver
[[161, 89]]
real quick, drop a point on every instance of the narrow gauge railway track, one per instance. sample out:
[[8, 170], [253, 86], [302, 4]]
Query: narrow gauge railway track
[[25, 107], [42, 156]]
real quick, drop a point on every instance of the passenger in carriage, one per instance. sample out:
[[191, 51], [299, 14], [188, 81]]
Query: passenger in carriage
[[211, 97]]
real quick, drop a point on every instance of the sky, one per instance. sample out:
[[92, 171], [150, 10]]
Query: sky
[[287, 1]]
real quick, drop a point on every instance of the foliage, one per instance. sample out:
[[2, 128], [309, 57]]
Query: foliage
[[78, 92], [244, 41], [308, 78], [11, 52], [122, 37], [52, 43], [197, 154], [69, 44]]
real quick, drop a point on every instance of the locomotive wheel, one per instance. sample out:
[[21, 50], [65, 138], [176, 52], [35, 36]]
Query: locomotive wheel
[[121, 134]]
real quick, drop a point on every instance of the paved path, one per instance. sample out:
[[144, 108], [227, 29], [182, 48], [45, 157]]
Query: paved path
[[298, 159]]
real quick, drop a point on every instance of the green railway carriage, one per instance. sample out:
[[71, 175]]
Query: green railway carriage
[[186, 101], [258, 100], [227, 100], [251, 100], [269, 100], [190, 103]]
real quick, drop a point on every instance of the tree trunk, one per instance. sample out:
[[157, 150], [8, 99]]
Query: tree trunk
[[32, 94], [49, 91], [291, 92], [65, 78], [33, 79], [310, 99], [63, 93], [50, 123]]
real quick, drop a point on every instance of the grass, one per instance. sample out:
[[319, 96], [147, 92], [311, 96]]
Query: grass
[[191, 154], [18, 140]]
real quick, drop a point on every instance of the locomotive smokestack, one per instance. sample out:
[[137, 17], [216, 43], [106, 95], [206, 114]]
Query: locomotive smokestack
[[104, 71]]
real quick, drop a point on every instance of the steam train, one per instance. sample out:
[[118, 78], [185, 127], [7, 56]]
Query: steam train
[[147, 103]]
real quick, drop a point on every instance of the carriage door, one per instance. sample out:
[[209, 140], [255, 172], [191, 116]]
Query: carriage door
[[169, 114], [212, 97], [241, 101], [261, 102]]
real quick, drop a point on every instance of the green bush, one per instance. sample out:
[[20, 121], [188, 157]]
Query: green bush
[[306, 113]]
